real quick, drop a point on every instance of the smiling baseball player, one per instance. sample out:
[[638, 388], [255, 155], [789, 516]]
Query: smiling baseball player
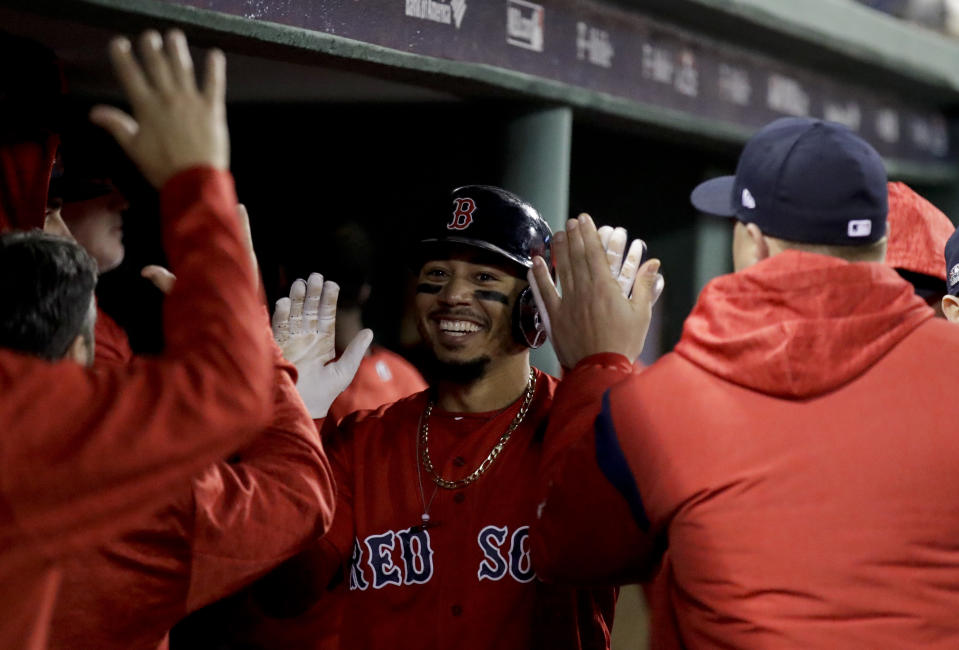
[[436, 491]]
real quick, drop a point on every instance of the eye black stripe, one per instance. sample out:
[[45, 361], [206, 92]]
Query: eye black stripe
[[425, 287], [492, 296]]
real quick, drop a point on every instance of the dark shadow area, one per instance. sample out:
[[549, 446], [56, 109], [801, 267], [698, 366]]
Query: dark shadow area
[[643, 185]]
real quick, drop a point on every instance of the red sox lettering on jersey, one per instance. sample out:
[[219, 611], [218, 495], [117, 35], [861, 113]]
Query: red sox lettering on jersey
[[406, 557]]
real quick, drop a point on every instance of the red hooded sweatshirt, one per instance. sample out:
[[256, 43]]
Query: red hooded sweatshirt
[[218, 532], [84, 453], [796, 454], [30, 105]]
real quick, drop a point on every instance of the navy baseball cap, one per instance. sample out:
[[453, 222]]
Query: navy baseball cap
[[804, 180], [952, 264]]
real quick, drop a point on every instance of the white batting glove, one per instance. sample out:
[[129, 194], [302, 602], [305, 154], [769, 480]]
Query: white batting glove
[[304, 326], [623, 269]]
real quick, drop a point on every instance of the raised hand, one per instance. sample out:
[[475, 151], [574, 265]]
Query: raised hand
[[593, 315], [304, 326], [174, 125]]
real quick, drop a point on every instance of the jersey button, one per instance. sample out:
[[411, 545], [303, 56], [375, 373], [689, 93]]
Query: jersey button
[[459, 497], [459, 461], [457, 610]]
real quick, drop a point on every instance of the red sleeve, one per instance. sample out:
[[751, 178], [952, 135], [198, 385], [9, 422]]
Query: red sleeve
[[293, 587], [81, 450], [338, 542], [112, 343], [263, 506], [585, 531]]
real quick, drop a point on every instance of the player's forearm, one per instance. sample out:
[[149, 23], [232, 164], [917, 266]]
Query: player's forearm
[[265, 507], [213, 317], [578, 398], [583, 533], [207, 253]]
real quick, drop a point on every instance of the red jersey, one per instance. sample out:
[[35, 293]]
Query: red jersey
[[223, 529], [794, 454], [467, 580], [383, 377], [83, 453]]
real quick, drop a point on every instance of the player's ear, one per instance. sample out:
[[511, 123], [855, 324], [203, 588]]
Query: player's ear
[[79, 351], [759, 242], [950, 308], [749, 245]]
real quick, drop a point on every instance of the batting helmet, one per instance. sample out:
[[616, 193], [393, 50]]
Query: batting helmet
[[492, 219]]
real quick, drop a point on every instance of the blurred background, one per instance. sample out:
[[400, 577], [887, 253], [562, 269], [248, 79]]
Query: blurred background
[[939, 15], [371, 112]]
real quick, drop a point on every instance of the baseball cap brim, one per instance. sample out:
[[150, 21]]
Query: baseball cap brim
[[71, 190], [715, 196], [428, 245]]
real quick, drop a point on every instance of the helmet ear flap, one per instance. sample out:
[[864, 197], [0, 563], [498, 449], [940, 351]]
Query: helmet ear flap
[[528, 327]]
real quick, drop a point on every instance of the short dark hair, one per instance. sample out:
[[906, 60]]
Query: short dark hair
[[46, 285]]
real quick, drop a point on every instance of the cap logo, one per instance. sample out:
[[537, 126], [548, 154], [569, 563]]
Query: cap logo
[[954, 275], [462, 214], [748, 200], [859, 228]]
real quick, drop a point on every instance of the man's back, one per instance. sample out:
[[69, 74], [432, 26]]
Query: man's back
[[809, 499]]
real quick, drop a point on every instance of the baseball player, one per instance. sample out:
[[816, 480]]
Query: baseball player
[[792, 452], [435, 492], [84, 453]]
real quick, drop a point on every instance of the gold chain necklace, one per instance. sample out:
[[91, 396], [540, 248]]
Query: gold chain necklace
[[494, 452]]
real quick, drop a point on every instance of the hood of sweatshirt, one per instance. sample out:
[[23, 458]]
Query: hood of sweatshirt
[[24, 180], [918, 232], [32, 110], [798, 324]]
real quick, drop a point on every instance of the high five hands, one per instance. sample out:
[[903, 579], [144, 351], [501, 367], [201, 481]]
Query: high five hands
[[623, 269], [606, 303], [175, 125], [304, 326]]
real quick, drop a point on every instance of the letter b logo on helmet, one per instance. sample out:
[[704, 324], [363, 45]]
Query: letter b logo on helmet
[[462, 214]]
